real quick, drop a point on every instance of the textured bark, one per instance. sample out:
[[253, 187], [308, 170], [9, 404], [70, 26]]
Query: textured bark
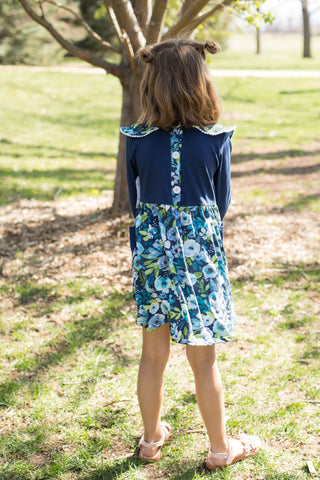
[[142, 10], [128, 22], [156, 22]]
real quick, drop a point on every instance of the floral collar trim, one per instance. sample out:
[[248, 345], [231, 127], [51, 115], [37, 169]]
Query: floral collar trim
[[138, 130]]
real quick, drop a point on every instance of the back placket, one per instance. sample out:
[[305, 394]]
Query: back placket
[[175, 149]]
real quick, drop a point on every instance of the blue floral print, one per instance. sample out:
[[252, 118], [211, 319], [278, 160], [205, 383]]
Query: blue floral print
[[180, 274]]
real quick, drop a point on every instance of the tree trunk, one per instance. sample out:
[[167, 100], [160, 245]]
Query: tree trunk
[[129, 114], [306, 30], [258, 42]]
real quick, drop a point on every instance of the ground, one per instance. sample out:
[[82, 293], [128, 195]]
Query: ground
[[68, 340], [269, 225]]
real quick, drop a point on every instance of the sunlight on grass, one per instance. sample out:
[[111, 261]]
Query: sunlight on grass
[[69, 344]]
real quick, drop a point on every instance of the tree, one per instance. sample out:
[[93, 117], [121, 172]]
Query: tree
[[306, 29], [136, 23], [309, 7]]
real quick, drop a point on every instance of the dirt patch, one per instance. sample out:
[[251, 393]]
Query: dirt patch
[[270, 223]]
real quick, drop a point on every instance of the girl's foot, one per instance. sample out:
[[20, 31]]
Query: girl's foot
[[240, 447], [152, 451]]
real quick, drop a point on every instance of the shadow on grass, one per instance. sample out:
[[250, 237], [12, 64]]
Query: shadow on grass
[[305, 170], [275, 155], [43, 184], [302, 201], [41, 151], [78, 332], [304, 275]]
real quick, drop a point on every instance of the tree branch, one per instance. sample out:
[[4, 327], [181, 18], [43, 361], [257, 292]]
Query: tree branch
[[91, 32], [185, 6], [156, 22], [122, 35], [70, 47], [202, 18], [190, 13], [128, 22], [142, 10]]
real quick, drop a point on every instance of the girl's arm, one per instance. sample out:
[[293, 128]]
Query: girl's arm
[[222, 177], [132, 174]]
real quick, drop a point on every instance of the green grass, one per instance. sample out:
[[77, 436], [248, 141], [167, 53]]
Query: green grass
[[71, 386], [278, 51], [82, 112], [69, 344], [39, 108]]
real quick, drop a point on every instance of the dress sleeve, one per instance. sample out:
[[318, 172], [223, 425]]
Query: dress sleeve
[[132, 174], [222, 176]]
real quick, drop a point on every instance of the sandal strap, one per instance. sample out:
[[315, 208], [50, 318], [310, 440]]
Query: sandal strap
[[143, 443], [221, 455], [165, 430], [249, 446]]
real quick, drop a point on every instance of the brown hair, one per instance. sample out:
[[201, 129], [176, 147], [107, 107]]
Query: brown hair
[[176, 88]]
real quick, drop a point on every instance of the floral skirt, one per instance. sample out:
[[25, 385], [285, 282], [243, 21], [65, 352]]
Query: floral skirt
[[180, 274]]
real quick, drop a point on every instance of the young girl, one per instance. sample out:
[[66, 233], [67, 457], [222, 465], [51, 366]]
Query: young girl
[[178, 170]]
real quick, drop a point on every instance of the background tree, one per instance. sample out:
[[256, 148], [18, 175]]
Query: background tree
[[306, 29], [135, 23], [308, 7]]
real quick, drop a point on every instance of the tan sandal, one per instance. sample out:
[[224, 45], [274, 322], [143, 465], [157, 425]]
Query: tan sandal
[[166, 429], [250, 445]]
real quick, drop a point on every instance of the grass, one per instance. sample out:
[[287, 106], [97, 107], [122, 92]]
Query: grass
[[278, 51], [54, 106], [69, 344]]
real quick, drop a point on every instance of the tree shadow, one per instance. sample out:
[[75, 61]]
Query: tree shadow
[[78, 332], [18, 236], [57, 152], [305, 170], [42, 185], [298, 92], [302, 201], [274, 155]]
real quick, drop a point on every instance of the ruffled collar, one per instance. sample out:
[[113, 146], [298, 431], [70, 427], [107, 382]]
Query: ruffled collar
[[139, 130]]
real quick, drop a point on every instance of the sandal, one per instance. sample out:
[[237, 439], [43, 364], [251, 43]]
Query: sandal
[[166, 430], [250, 445]]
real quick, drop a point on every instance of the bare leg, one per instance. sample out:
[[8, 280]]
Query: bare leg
[[155, 354], [210, 394]]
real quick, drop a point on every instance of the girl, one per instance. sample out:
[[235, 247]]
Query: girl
[[178, 170]]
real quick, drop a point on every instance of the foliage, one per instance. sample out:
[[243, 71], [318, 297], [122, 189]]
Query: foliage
[[95, 14], [23, 41]]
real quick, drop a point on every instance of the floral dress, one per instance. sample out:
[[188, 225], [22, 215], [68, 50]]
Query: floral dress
[[180, 274]]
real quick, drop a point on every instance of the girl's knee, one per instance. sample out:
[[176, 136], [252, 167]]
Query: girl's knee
[[155, 359], [201, 357]]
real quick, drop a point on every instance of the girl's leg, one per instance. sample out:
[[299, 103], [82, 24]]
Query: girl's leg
[[155, 354], [210, 396]]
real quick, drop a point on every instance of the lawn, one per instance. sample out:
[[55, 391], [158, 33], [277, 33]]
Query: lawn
[[69, 344], [278, 51]]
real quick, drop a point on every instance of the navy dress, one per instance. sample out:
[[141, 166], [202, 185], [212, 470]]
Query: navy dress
[[179, 192]]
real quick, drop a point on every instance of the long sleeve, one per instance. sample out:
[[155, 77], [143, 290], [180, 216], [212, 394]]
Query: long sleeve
[[222, 177], [132, 174]]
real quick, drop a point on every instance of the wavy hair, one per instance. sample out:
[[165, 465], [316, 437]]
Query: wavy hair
[[176, 88]]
